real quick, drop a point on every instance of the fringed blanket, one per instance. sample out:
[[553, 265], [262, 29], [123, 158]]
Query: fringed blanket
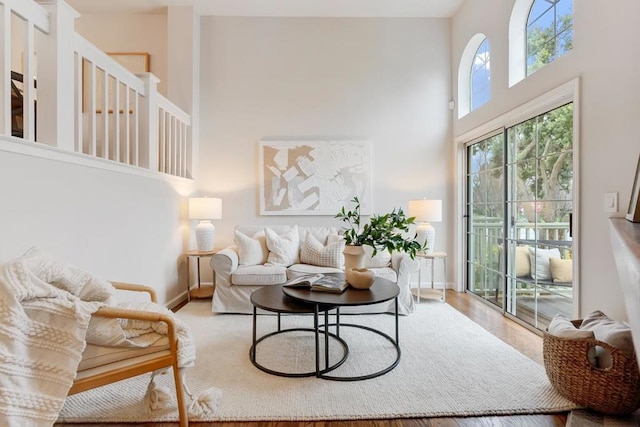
[[45, 311]]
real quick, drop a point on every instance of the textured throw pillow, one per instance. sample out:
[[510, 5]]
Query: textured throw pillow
[[608, 330], [315, 253], [561, 270], [539, 259], [283, 248], [382, 258], [251, 250], [523, 263]]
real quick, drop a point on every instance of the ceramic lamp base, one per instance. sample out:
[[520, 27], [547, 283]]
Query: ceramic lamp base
[[205, 236], [425, 233]]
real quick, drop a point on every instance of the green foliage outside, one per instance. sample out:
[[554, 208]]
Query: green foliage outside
[[539, 150]]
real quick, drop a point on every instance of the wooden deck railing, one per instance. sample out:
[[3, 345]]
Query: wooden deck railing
[[86, 102]]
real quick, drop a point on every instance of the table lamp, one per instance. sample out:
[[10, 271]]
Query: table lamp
[[426, 211], [205, 209]]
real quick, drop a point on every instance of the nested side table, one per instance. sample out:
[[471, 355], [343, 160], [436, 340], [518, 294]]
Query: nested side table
[[200, 292], [433, 256]]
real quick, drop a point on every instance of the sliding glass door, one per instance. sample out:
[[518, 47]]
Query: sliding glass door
[[485, 225], [519, 208]]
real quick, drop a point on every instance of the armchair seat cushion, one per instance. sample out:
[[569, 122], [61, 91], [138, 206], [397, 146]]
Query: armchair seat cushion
[[98, 355], [259, 275]]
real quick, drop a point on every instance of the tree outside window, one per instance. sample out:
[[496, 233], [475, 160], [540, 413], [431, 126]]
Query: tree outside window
[[549, 32]]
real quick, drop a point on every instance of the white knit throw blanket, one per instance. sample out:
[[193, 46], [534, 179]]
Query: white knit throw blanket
[[45, 316], [45, 309]]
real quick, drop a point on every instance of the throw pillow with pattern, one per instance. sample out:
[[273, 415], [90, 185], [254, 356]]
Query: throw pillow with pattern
[[315, 253]]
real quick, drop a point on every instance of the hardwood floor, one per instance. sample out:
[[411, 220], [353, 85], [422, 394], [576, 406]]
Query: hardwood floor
[[507, 330]]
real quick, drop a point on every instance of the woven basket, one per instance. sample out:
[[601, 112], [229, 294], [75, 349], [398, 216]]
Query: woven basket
[[615, 390]]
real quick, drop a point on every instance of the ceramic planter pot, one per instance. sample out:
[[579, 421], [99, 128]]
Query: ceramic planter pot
[[353, 257]]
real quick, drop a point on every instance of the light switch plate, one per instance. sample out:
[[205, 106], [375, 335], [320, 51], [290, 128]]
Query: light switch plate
[[611, 202]]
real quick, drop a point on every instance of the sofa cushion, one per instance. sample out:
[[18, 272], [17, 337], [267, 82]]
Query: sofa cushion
[[284, 247], [610, 331], [259, 275], [539, 259], [382, 258], [561, 270], [315, 253], [251, 250]]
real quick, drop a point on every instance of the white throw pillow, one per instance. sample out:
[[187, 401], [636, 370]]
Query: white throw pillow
[[540, 262], [283, 248], [315, 253], [251, 250]]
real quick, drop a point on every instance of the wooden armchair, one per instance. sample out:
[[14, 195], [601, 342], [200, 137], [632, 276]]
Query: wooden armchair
[[102, 365]]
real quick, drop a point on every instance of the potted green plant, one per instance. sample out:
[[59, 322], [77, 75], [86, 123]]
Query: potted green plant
[[386, 231]]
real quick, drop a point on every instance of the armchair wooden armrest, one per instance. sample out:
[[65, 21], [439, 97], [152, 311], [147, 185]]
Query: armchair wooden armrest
[[132, 366], [121, 286]]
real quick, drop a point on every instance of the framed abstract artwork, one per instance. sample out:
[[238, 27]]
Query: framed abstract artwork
[[313, 177]]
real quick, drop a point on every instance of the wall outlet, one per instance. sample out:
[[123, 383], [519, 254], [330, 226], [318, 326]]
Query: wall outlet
[[611, 202]]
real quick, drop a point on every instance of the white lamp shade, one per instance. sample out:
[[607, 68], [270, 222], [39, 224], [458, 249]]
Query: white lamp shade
[[205, 208], [425, 210]]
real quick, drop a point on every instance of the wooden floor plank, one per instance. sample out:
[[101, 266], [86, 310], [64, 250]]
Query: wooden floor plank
[[523, 340]]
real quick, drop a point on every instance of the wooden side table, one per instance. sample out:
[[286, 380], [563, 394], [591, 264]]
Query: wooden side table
[[433, 256], [200, 292]]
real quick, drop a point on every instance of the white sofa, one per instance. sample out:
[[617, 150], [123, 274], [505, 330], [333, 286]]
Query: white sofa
[[259, 258]]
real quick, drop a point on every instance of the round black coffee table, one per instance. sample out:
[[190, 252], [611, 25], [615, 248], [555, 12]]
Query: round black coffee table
[[382, 290], [273, 299]]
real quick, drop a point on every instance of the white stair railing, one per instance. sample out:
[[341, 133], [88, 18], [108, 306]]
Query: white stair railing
[[21, 21], [107, 106], [87, 102]]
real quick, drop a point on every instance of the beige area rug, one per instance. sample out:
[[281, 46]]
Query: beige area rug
[[450, 366]]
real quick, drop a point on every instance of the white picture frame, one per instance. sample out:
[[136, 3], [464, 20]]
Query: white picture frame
[[314, 177]]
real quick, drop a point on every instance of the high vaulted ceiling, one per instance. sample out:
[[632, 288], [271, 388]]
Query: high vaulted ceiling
[[327, 8]]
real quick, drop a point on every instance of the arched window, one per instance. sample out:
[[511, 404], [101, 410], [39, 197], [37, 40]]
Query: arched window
[[480, 80], [467, 70], [549, 32]]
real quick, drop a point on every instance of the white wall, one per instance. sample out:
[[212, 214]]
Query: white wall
[[385, 80], [606, 57], [118, 226], [130, 33]]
